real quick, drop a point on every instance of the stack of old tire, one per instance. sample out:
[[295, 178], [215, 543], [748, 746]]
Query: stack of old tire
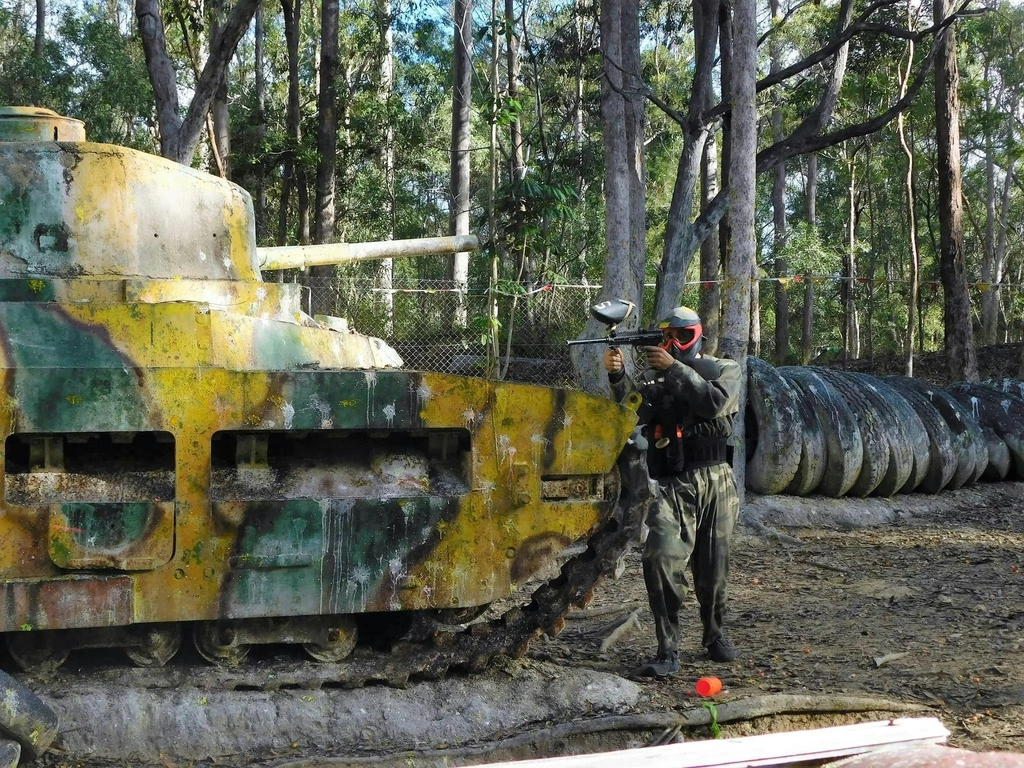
[[837, 433]]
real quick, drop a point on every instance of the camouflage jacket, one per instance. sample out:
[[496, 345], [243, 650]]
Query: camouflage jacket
[[684, 403]]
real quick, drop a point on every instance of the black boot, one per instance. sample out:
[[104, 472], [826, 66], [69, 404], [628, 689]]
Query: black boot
[[662, 666], [721, 650]]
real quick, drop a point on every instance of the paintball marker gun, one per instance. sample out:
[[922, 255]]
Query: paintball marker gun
[[611, 313]]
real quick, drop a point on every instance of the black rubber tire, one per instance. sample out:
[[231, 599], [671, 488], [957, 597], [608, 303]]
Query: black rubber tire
[[26, 718], [999, 461], [1010, 385], [876, 458], [993, 423], [1006, 392], [814, 451], [908, 438], [942, 456], [1004, 413], [844, 449], [773, 411], [969, 442]]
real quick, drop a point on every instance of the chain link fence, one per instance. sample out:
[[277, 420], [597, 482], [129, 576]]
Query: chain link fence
[[418, 318]]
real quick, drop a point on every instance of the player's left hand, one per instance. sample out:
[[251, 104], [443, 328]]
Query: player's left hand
[[658, 358]]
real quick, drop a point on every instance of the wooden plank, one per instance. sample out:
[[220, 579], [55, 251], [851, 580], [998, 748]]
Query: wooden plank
[[766, 750]]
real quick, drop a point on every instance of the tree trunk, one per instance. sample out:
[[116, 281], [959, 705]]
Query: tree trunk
[[635, 107], [623, 149], [705, 28], [681, 238], [37, 49], [327, 126], [386, 269], [261, 121], [914, 271], [301, 180], [291, 10], [493, 340], [741, 255], [996, 222], [37, 80], [779, 211], [324, 225], [989, 303], [580, 11], [344, 86], [302, 195], [461, 102], [517, 161], [755, 305], [179, 137], [961, 356], [710, 259], [811, 192], [999, 262], [219, 108], [807, 329], [868, 281], [282, 209], [851, 322], [725, 43]]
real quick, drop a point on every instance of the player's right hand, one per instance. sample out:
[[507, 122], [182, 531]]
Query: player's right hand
[[613, 360]]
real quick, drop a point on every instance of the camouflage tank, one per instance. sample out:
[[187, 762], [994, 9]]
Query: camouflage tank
[[186, 451]]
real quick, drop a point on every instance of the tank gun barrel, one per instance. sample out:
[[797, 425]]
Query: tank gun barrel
[[302, 256]]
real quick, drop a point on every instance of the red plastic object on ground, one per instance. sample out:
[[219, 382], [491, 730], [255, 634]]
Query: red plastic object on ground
[[708, 686]]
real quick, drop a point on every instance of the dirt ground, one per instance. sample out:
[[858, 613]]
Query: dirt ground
[[927, 609], [924, 606]]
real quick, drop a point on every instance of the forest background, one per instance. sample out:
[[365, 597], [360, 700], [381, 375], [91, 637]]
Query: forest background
[[791, 168]]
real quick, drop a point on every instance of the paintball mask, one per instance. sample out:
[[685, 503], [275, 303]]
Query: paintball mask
[[682, 330]]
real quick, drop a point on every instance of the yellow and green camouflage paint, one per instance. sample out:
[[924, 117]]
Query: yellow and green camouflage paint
[[181, 443]]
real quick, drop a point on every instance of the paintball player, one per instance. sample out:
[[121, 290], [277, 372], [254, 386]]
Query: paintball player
[[690, 401]]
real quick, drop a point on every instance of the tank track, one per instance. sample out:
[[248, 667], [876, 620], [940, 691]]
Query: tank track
[[430, 649]]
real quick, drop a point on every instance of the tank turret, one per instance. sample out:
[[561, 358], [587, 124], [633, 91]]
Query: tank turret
[[94, 220], [185, 450]]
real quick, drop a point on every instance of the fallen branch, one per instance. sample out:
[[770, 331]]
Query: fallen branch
[[771, 533], [795, 703], [632, 622], [547, 740], [608, 610], [828, 567], [668, 736]]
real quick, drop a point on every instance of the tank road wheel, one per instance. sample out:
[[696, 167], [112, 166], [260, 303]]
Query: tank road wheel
[[217, 642], [10, 753], [341, 641], [36, 651], [457, 616], [25, 718], [157, 645]]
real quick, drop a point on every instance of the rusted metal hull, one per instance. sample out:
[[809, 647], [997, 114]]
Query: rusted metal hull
[[181, 443], [383, 490]]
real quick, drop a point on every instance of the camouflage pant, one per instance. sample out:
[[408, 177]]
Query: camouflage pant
[[690, 524]]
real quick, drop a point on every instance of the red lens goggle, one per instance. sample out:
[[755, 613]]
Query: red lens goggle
[[671, 342]]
